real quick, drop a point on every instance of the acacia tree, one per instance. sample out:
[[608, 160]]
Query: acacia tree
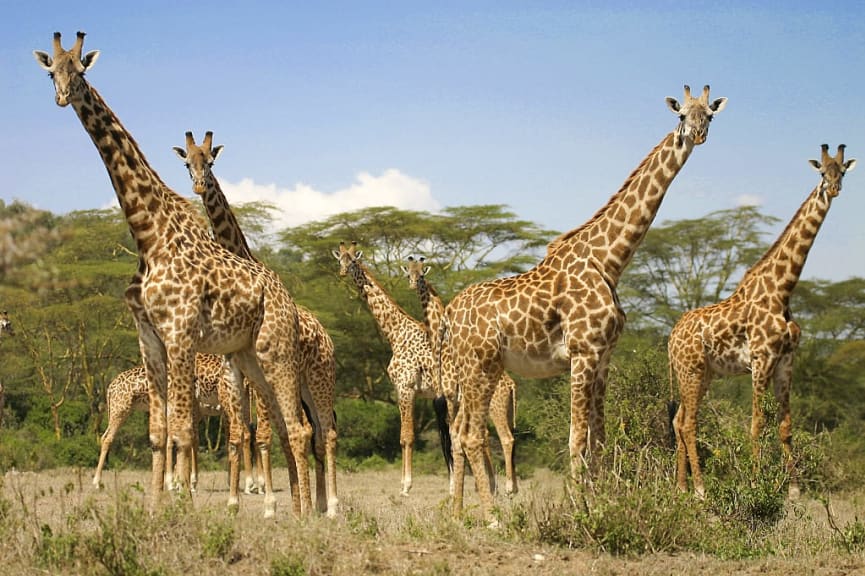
[[25, 235], [686, 264]]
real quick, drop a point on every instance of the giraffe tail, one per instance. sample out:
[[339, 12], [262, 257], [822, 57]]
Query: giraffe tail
[[440, 405]]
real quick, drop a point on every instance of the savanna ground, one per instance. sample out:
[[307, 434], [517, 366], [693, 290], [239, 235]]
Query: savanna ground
[[55, 522]]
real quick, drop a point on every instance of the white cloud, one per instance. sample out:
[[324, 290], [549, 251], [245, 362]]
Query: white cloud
[[748, 200], [303, 203]]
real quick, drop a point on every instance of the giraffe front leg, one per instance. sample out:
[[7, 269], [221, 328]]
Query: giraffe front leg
[[406, 435], [157, 390], [761, 367], [583, 367], [182, 412]]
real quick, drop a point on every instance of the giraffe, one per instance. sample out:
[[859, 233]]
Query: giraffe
[[751, 331], [5, 328], [410, 368], [563, 314], [504, 399], [317, 360], [189, 294], [128, 392]]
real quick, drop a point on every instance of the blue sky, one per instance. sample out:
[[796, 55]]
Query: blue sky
[[543, 106]]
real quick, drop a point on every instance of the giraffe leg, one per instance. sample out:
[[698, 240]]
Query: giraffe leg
[[231, 396], [473, 439], [761, 367], [783, 379], [502, 408], [263, 436], [406, 434], [681, 449], [181, 417], [314, 417], [692, 387], [583, 368], [116, 418], [154, 357]]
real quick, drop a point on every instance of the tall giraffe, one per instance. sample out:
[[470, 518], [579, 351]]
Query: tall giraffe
[[410, 368], [189, 294], [128, 392], [504, 400], [317, 360], [5, 328], [563, 314], [751, 331]]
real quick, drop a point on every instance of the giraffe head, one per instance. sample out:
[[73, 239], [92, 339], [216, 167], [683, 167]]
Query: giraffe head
[[67, 68], [5, 324], [415, 270], [198, 159], [347, 257], [695, 114], [832, 170]]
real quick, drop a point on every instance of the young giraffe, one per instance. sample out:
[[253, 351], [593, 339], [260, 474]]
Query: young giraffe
[[5, 328], [189, 294], [563, 314], [751, 331], [128, 392], [410, 368], [317, 360], [504, 400]]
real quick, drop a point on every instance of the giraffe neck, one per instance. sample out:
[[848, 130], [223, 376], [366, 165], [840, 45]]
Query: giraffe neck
[[389, 316], [613, 234], [433, 308], [785, 259], [226, 230], [144, 199]]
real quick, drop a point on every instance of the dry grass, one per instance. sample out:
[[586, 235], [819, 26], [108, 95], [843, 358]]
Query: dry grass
[[377, 532]]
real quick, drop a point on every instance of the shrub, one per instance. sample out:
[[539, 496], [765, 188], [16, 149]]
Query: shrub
[[367, 429]]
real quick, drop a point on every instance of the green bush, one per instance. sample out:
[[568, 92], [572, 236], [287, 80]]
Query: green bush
[[367, 429]]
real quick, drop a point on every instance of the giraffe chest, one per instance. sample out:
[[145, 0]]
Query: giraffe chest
[[210, 308]]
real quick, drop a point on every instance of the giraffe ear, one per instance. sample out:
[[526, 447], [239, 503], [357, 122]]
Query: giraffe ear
[[672, 104], [815, 164], [404, 269], [43, 59], [335, 254], [217, 150], [358, 254], [90, 59], [849, 165], [717, 105], [426, 270], [181, 153]]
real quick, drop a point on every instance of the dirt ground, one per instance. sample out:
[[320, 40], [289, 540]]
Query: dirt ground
[[376, 532]]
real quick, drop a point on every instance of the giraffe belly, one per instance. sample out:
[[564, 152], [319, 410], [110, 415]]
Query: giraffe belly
[[532, 365], [731, 361]]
